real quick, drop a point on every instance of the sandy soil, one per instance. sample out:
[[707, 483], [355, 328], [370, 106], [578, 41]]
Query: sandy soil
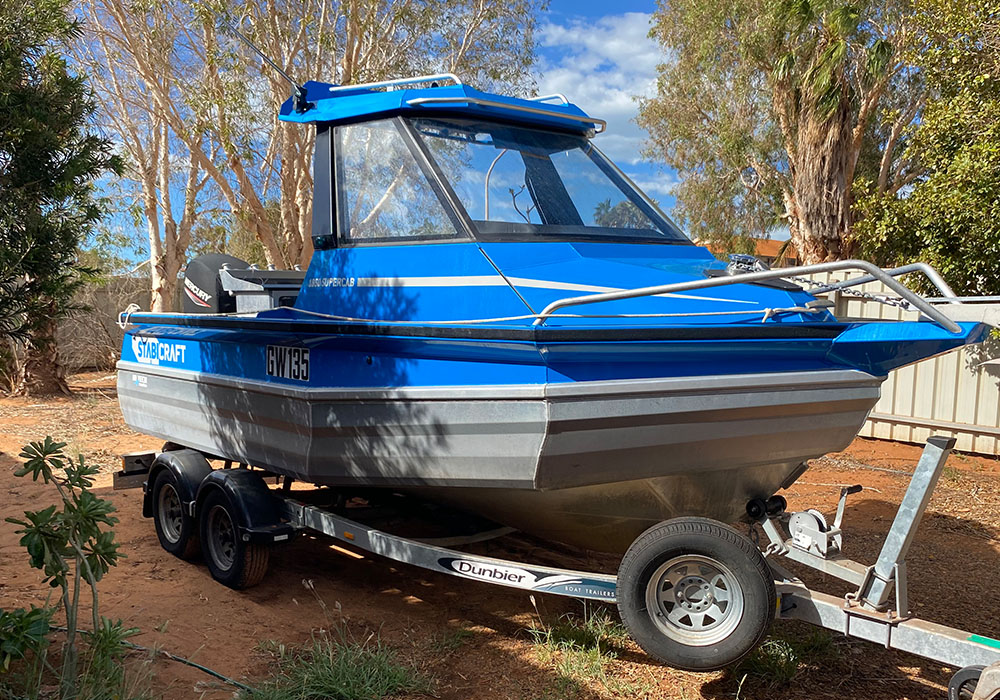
[[179, 608]]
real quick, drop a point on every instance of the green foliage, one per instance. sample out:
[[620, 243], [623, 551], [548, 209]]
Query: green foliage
[[73, 545], [23, 631], [59, 540], [948, 217], [221, 233], [711, 119], [49, 161], [336, 667], [104, 675], [775, 661], [756, 106]]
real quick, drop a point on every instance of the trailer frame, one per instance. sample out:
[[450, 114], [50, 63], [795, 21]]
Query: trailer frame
[[877, 611]]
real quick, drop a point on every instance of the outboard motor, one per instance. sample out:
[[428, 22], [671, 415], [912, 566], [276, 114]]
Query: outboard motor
[[203, 290]]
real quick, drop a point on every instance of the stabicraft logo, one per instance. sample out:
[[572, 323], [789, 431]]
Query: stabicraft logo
[[152, 351]]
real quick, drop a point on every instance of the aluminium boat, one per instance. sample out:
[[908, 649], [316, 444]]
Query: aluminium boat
[[497, 318]]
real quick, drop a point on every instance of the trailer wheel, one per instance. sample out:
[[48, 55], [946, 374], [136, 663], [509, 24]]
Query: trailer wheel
[[232, 561], [963, 684], [695, 594], [175, 529]]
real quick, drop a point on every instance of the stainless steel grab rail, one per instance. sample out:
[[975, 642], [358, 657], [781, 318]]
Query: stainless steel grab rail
[[599, 124], [936, 279], [886, 277], [555, 95], [399, 81]]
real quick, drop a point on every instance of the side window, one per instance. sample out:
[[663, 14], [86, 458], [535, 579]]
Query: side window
[[383, 193]]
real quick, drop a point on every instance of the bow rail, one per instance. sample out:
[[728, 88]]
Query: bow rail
[[872, 273]]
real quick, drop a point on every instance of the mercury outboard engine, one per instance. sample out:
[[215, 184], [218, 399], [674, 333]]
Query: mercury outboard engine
[[203, 290]]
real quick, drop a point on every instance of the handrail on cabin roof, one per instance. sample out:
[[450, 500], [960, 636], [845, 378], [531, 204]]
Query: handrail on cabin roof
[[599, 124], [399, 81]]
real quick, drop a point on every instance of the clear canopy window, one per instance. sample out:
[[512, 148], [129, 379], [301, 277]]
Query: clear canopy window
[[384, 194], [518, 182]]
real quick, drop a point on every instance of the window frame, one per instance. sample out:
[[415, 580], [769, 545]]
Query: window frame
[[673, 235], [463, 230]]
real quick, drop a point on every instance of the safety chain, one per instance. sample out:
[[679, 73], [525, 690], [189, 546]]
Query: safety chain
[[748, 263]]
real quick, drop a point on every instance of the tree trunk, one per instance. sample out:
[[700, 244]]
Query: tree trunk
[[164, 286], [822, 191], [40, 373]]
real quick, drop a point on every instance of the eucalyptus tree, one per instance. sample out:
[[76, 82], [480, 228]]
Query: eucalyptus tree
[[771, 110], [196, 111], [949, 215]]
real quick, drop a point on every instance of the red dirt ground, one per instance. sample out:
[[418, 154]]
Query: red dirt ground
[[179, 608]]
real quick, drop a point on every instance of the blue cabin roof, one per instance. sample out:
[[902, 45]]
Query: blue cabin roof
[[337, 104]]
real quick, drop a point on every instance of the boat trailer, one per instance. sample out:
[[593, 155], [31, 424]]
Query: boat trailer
[[877, 611]]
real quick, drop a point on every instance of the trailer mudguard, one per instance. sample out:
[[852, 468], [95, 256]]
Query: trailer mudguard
[[252, 503], [189, 468]]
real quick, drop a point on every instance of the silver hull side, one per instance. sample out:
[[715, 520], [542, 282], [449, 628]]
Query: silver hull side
[[590, 463]]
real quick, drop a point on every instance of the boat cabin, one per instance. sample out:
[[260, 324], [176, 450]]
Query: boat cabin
[[449, 163], [462, 185]]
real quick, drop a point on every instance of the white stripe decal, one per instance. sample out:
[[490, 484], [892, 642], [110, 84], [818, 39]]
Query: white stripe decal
[[498, 281], [463, 281]]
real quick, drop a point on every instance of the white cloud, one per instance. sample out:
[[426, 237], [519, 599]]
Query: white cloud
[[657, 185], [601, 65]]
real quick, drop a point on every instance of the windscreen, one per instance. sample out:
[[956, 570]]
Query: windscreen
[[518, 183]]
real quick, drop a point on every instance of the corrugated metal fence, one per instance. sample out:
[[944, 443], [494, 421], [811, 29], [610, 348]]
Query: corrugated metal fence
[[953, 394]]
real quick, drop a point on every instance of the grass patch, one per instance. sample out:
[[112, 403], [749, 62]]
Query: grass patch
[[595, 630], [450, 640], [336, 667], [951, 473], [582, 649], [776, 662]]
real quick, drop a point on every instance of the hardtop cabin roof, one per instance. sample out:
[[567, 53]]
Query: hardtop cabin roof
[[332, 104]]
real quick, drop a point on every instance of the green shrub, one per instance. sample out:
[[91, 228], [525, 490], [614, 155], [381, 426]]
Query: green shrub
[[72, 543]]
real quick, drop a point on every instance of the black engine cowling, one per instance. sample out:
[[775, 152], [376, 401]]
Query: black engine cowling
[[203, 292]]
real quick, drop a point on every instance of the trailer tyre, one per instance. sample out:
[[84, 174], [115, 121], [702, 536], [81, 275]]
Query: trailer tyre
[[175, 529], [231, 560], [695, 594]]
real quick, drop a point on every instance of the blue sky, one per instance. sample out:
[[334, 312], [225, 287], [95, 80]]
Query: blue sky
[[600, 56]]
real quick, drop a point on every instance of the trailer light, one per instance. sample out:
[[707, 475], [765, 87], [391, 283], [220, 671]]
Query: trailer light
[[348, 535], [348, 552]]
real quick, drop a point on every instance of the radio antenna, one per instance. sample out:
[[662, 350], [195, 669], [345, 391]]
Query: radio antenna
[[299, 101]]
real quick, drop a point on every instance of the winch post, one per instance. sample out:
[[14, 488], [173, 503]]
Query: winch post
[[878, 584]]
